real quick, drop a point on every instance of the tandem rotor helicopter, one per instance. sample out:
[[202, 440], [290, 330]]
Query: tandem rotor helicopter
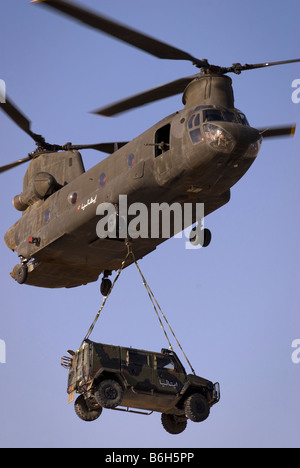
[[192, 156]]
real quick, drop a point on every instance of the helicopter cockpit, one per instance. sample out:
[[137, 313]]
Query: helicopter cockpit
[[204, 114], [202, 128]]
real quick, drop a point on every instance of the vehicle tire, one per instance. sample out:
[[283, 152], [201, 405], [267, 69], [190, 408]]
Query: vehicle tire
[[105, 286], [22, 274], [196, 407], [109, 393], [173, 424], [83, 412]]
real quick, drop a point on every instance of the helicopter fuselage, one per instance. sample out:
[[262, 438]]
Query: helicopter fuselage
[[192, 156]]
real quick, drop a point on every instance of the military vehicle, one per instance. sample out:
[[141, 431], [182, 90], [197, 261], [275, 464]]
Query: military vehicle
[[195, 155], [108, 376]]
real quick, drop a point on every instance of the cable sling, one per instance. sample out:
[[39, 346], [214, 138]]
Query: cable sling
[[152, 298]]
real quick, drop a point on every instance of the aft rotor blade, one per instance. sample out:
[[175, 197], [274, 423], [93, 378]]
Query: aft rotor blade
[[154, 94], [20, 119], [14, 164], [124, 33], [273, 132], [103, 147]]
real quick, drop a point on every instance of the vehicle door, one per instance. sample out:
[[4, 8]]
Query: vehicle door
[[137, 370], [168, 377]]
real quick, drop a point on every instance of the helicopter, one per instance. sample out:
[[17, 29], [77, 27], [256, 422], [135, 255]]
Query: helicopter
[[196, 155]]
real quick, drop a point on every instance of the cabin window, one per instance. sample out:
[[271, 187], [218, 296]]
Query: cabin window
[[102, 179], [131, 160], [165, 362], [137, 359], [162, 140], [47, 216], [72, 198]]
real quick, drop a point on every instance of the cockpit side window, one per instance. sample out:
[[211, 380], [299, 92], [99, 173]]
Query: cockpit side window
[[194, 127], [191, 121], [243, 118]]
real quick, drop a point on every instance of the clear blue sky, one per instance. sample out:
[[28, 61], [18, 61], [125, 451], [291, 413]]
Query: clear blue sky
[[235, 305]]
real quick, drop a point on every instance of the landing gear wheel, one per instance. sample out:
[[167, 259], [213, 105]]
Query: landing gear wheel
[[109, 393], [173, 424], [204, 237], [22, 274], [105, 286], [207, 237], [83, 412], [196, 407]]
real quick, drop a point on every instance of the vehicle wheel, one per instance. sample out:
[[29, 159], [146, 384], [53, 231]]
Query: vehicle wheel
[[173, 424], [22, 274], [105, 286], [83, 412], [109, 393], [196, 407]]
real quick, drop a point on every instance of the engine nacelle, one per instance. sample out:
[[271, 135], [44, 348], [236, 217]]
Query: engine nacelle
[[42, 185]]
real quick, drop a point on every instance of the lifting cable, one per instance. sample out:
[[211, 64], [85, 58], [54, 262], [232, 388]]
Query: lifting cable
[[152, 299]]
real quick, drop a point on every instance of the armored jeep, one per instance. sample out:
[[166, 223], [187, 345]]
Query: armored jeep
[[109, 376]]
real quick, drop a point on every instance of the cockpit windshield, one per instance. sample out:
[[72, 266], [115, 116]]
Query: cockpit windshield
[[210, 115], [204, 114]]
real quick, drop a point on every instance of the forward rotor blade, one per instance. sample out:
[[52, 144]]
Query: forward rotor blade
[[14, 164], [154, 94], [20, 119], [273, 132], [238, 68], [124, 33]]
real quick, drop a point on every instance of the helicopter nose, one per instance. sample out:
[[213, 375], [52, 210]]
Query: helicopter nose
[[243, 133], [225, 136]]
